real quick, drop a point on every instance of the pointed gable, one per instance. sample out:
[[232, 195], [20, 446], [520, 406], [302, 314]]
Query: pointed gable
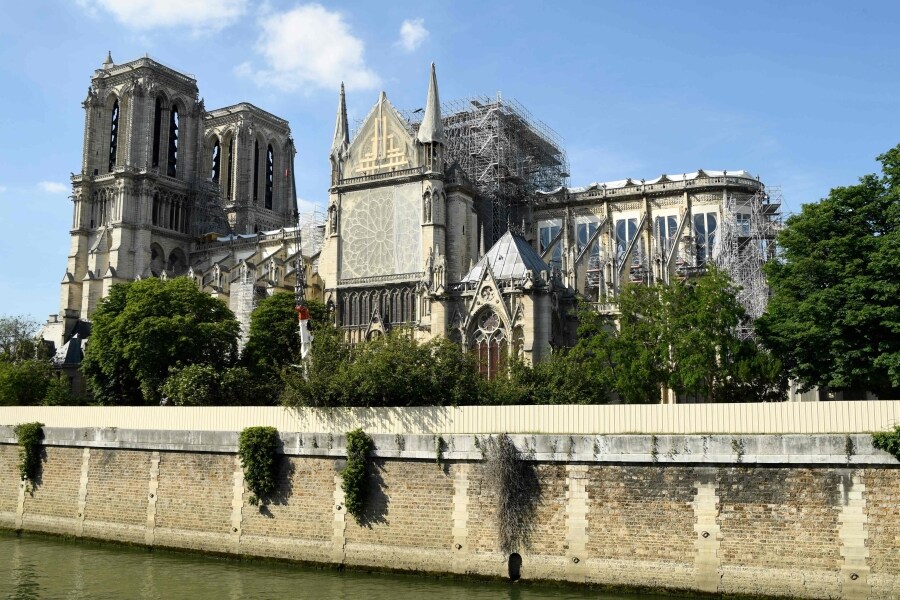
[[510, 258], [383, 143]]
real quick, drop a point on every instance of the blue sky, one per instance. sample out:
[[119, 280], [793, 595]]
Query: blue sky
[[804, 94]]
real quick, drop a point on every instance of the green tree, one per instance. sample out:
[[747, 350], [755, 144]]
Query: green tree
[[18, 339], [391, 370], [274, 341], [24, 382], [25, 369], [834, 314], [680, 336], [146, 328]]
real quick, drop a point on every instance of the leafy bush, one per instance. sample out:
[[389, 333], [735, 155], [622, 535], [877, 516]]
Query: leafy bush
[[355, 476], [258, 449], [29, 436], [888, 441]]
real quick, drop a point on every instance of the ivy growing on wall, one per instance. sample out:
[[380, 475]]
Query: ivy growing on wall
[[355, 476], [258, 449], [515, 484], [29, 436], [888, 441]]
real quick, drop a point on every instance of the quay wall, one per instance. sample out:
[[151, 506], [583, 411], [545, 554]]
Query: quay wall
[[808, 516]]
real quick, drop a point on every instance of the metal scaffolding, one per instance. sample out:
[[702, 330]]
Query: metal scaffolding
[[746, 242], [505, 152]]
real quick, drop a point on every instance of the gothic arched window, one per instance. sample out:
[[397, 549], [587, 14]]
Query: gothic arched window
[[256, 172], [216, 160], [230, 171], [174, 122], [489, 343], [113, 135], [154, 213], [270, 176], [157, 132]]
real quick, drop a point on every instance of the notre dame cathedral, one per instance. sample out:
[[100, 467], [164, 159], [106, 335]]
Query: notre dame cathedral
[[452, 220]]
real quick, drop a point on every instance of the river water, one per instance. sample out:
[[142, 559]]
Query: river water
[[34, 567]]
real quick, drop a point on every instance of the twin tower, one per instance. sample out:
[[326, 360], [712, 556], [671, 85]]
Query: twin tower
[[159, 172]]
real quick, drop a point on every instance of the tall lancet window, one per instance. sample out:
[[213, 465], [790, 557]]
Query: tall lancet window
[[270, 176], [157, 132], [216, 159], [113, 135], [174, 121], [256, 172], [230, 171]]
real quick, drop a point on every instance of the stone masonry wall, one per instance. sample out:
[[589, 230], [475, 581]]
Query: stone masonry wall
[[9, 491], [116, 499], [768, 521], [52, 504]]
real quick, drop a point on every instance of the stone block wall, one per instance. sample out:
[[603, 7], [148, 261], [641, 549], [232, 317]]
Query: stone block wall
[[611, 511]]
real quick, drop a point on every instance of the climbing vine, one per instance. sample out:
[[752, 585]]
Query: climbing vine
[[258, 449], [355, 476], [29, 436], [515, 484], [888, 441]]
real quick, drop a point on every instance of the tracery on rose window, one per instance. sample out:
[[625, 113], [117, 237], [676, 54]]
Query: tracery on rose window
[[489, 343]]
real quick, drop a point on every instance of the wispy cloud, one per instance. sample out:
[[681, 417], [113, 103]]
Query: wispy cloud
[[151, 14], [412, 34], [309, 46], [3, 189], [53, 187]]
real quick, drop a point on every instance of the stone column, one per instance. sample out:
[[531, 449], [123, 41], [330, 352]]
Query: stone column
[[853, 533], [707, 563]]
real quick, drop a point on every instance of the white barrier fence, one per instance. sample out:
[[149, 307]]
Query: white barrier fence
[[775, 418]]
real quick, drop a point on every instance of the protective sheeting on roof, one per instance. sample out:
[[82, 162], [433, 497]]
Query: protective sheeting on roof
[[510, 258], [675, 178]]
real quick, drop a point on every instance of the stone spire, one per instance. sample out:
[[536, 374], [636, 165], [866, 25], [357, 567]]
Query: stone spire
[[341, 142], [431, 131], [109, 61]]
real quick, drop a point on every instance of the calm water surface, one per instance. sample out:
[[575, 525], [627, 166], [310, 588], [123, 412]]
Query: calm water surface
[[35, 567]]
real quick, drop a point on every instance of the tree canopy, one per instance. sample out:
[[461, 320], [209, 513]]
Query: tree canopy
[[146, 328], [834, 314], [26, 375], [681, 336], [391, 370]]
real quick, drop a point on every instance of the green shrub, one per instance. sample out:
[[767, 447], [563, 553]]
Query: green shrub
[[888, 441], [29, 436], [355, 476], [258, 449]]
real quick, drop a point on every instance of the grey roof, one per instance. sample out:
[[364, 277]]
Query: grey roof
[[432, 128], [510, 258]]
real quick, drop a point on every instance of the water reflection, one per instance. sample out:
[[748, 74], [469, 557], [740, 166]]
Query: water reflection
[[42, 568]]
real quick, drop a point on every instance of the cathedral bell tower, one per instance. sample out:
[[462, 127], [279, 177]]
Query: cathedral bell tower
[[134, 199]]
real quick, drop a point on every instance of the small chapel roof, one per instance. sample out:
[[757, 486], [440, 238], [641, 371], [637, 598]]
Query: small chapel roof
[[510, 258]]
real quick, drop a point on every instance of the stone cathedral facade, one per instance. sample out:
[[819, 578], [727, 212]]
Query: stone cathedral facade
[[403, 246], [413, 237], [168, 188]]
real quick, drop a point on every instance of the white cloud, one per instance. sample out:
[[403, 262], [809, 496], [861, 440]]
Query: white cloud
[[53, 187], [412, 34], [309, 46], [151, 14]]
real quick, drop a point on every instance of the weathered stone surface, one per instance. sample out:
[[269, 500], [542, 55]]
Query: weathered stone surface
[[707, 513]]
